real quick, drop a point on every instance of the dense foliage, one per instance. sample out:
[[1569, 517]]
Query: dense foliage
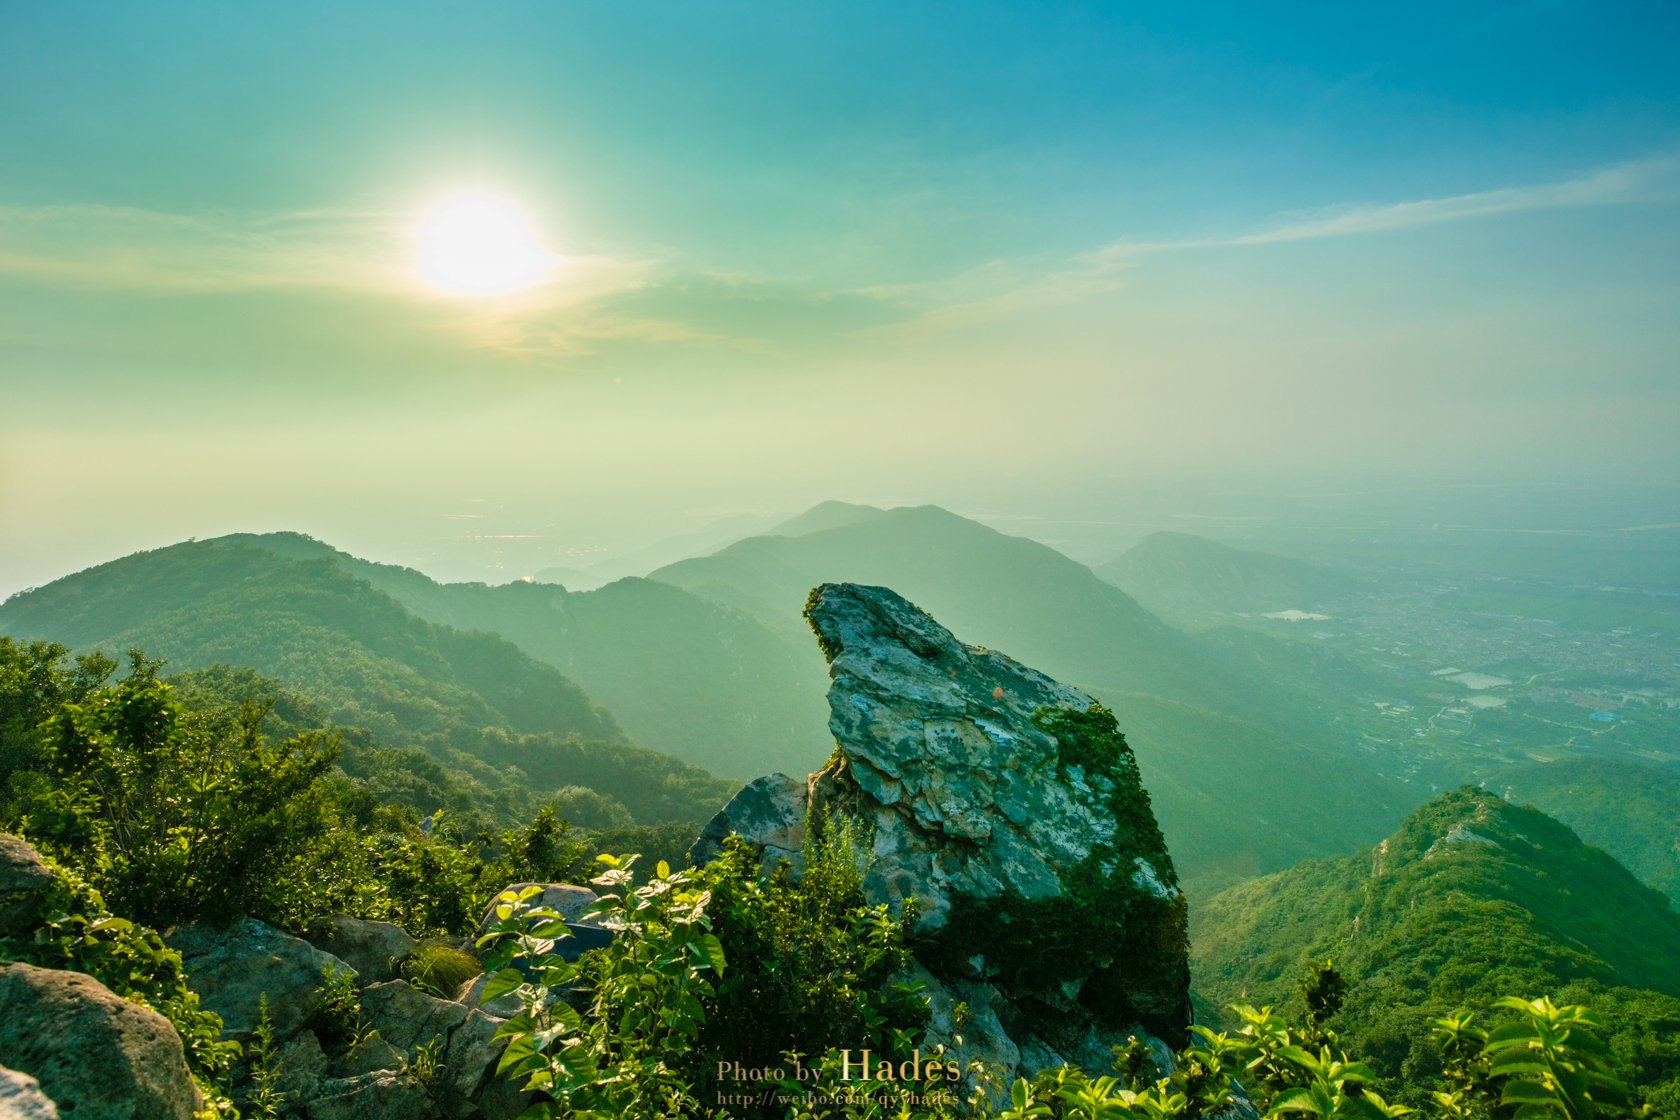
[[1472, 899], [184, 799]]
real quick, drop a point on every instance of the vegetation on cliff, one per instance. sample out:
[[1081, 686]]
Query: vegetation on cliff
[[1472, 899]]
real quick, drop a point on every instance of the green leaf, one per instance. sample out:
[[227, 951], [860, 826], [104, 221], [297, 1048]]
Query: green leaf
[[1519, 1061], [714, 952], [1297, 1100], [505, 981], [1520, 1092], [517, 1050]]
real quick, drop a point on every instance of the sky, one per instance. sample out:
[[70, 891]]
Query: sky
[[991, 256]]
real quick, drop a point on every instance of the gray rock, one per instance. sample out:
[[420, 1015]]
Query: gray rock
[[470, 1058], [231, 969], [21, 1098], [505, 1006], [989, 792], [301, 1064], [407, 1018], [374, 1096], [502, 1098], [24, 872], [980, 1036], [371, 948], [769, 813], [98, 1057], [566, 899], [372, 1055]]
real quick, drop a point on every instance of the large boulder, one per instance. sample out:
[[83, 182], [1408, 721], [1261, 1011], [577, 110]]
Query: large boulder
[[373, 949], [232, 969], [1010, 807], [24, 879], [21, 1098], [97, 1056]]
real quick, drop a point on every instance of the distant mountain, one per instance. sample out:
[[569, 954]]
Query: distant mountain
[[363, 658], [825, 515], [1629, 810], [685, 675], [1471, 899], [1242, 783], [1192, 581]]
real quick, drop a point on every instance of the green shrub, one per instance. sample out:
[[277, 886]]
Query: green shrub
[[439, 970], [175, 817]]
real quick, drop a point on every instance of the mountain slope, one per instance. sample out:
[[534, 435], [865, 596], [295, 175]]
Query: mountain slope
[[1192, 581], [686, 676], [1629, 810], [1242, 782], [1009, 593], [356, 652], [1472, 898]]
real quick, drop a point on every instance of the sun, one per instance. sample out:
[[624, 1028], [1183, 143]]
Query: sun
[[480, 245]]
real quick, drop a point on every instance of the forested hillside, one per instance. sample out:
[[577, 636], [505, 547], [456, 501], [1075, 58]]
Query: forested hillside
[[684, 675], [1472, 897], [366, 661]]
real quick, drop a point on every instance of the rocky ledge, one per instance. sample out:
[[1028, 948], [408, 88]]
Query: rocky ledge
[[1010, 807]]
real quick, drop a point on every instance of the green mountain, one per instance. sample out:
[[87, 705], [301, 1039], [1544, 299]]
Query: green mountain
[[365, 660], [1194, 582], [685, 676], [1471, 899], [1629, 810], [1243, 781]]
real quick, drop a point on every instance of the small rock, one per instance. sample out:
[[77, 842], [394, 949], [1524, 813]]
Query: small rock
[[98, 1057], [232, 969], [374, 1096], [371, 948], [21, 1098], [769, 812], [407, 1018]]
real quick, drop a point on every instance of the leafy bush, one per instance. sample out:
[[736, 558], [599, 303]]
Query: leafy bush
[[173, 817]]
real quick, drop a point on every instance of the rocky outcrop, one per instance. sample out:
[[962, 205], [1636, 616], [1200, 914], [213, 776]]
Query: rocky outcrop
[[1010, 808], [96, 1056], [373, 949], [21, 1098]]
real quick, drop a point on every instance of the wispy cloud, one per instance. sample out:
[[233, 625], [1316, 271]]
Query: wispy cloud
[[1001, 288], [1631, 182]]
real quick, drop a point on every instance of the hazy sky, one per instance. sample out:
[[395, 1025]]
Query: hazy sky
[[925, 252]]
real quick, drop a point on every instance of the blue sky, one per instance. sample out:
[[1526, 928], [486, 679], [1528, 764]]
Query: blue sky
[[1223, 237]]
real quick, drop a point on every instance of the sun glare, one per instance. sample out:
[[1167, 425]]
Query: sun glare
[[480, 245]]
